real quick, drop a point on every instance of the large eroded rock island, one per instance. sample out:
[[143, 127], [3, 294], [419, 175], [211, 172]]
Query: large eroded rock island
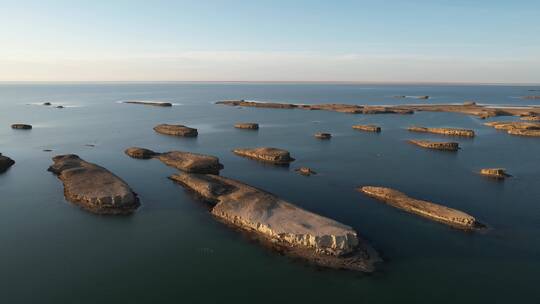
[[5, 163], [176, 130], [266, 154], [185, 161], [521, 128], [285, 226], [422, 208], [92, 187]]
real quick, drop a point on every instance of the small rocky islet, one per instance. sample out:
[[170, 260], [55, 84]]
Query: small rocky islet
[[266, 154], [247, 125], [184, 161], [323, 135], [280, 224], [497, 173], [93, 187], [367, 128], [305, 171], [521, 128], [435, 145], [149, 103], [5, 163], [422, 208], [176, 130], [21, 126], [443, 131]]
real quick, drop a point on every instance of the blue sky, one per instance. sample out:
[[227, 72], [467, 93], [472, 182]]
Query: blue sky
[[408, 41]]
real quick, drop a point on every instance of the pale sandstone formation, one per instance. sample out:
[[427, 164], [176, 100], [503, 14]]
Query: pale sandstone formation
[[92, 187], [368, 128], [446, 146], [530, 117], [287, 227], [247, 126], [425, 209], [21, 126], [150, 103], [443, 131], [521, 128], [305, 171], [498, 173], [521, 132], [469, 103], [176, 130], [185, 161], [266, 154], [5, 163], [322, 135]]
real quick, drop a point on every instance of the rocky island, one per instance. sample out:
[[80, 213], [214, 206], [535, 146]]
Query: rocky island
[[176, 130], [443, 131], [184, 161], [436, 145], [367, 128], [498, 173], [322, 135], [266, 154], [149, 103], [280, 224], [422, 208], [247, 126], [5, 163], [305, 171], [92, 187], [21, 126]]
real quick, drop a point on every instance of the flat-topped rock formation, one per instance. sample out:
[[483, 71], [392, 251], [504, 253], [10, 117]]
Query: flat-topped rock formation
[[469, 108], [322, 135], [176, 130], [499, 173], [285, 226], [521, 128], [422, 208], [5, 163], [92, 187], [21, 126], [247, 125], [266, 154], [185, 161], [149, 103], [367, 128], [443, 131], [436, 145], [305, 171]]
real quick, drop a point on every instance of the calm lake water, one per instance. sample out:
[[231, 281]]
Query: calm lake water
[[171, 250]]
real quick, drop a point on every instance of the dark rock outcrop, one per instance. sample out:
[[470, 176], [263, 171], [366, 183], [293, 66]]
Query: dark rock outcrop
[[443, 131], [425, 209], [176, 130], [92, 187], [5, 163], [21, 126], [185, 161], [446, 146], [247, 126], [47, 103], [322, 135], [305, 171], [266, 154], [368, 128], [150, 103], [286, 227]]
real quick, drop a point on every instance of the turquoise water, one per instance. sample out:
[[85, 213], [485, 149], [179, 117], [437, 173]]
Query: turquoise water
[[172, 250]]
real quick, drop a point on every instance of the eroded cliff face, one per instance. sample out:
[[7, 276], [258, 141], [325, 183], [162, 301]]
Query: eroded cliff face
[[279, 221], [92, 187], [422, 208]]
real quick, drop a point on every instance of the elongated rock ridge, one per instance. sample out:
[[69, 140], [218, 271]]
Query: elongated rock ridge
[[266, 154], [286, 226], [443, 131], [322, 135], [92, 187], [21, 126], [149, 103], [176, 130], [422, 208], [184, 161], [435, 145], [5, 163], [367, 128], [247, 125]]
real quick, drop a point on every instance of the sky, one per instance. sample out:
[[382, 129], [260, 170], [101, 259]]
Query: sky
[[297, 40]]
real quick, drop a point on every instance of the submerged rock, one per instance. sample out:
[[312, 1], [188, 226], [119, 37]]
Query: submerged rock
[[425, 209], [185, 161], [321, 135], [247, 125], [21, 126], [266, 154], [368, 128], [498, 173], [305, 171], [176, 130], [285, 226], [92, 187], [5, 163], [446, 146], [150, 103], [444, 131]]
